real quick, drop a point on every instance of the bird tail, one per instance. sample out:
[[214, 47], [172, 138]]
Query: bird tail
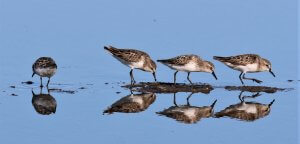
[[111, 49]]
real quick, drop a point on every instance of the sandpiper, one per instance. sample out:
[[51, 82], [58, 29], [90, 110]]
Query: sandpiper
[[246, 111], [44, 104], [186, 113], [134, 59], [189, 63], [132, 103], [44, 67], [250, 63]]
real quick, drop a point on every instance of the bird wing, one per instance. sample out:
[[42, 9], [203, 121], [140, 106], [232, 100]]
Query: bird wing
[[239, 59], [129, 55], [179, 60]]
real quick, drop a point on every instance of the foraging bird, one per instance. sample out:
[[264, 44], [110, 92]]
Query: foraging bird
[[44, 104], [247, 63], [186, 113], [189, 63], [246, 111], [134, 59], [132, 103], [44, 67]]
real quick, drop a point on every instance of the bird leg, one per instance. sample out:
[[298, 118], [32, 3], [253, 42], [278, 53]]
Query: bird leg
[[188, 77], [254, 95], [240, 76], [131, 77], [188, 99], [175, 77], [253, 79], [41, 82], [174, 99], [48, 82]]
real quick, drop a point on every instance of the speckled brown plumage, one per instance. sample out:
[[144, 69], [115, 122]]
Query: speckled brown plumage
[[129, 55], [44, 62], [129, 104], [181, 60], [178, 113], [233, 112], [44, 104], [134, 59], [240, 59]]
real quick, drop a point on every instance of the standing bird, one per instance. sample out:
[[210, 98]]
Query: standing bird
[[134, 59], [246, 111], [44, 104], [186, 113], [44, 67], [189, 63], [246, 63], [132, 103]]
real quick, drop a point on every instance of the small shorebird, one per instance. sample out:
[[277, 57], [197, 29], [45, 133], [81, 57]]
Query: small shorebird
[[246, 111], [134, 59], [132, 103], [189, 63], [44, 67], [186, 113], [44, 104], [250, 63]]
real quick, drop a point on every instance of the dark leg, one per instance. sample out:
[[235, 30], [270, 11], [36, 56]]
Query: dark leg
[[188, 99], [254, 80], [174, 99], [175, 77], [241, 78], [48, 82], [131, 77], [253, 96], [48, 90], [240, 96], [188, 77], [41, 82]]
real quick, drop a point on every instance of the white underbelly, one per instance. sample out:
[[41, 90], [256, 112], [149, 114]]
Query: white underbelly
[[132, 65], [45, 72], [137, 99], [189, 67], [191, 112], [249, 108], [244, 68], [137, 65]]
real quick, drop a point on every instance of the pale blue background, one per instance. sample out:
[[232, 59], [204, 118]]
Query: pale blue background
[[74, 32]]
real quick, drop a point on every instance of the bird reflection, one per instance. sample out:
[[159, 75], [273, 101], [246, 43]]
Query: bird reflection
[[44, 104], [132, 103], [246, 111], [186, 113]]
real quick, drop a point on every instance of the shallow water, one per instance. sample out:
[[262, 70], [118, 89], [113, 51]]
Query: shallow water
[[74, 35]]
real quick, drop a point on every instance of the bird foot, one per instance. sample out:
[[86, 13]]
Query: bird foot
[[257, 81]]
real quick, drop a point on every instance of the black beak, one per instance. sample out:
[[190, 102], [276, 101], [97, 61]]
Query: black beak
[[213, 73], [271, 103], [32, 74], [213, 104], [32, 92], [154, 76], [272, 73]]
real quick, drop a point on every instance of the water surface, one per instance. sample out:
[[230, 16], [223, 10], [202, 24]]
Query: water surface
[[74, 33]]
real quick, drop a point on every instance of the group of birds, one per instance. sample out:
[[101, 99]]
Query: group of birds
[[245, 111], [45, 104], [136, 59]]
